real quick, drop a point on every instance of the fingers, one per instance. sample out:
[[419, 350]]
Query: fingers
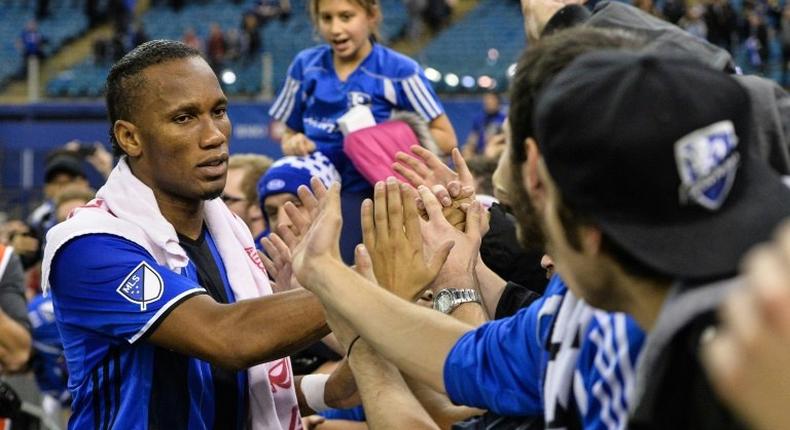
[[442, 195], [394, 208], [464, 175], [319, 189], [368, 225], [380, 211], [429, 158], [298, 220], [432, 206], [411, 215], [473, 220], [721, 357], [407, 173], [363, 264], [287, 234], [271, 269], [414, 164], [309, 201]]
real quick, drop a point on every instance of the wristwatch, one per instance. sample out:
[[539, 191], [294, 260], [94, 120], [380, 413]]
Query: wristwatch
[[448, 299]]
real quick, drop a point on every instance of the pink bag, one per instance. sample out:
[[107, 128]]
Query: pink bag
[[373, 149]]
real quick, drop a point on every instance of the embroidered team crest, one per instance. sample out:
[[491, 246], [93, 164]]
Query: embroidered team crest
[[707, 162], [356, 98], [142, 286]]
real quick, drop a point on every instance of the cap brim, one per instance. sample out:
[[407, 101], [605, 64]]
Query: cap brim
[[710, 247]]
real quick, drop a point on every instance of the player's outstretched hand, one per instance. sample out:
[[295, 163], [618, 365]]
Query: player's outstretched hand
[[391, 233], [747, 358]]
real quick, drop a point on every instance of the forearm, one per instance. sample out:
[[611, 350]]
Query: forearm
[[443, 412], [388, 402], [491, 287], [14, 344], [245, 333], [443, 134], [276, 326], [415, 339]]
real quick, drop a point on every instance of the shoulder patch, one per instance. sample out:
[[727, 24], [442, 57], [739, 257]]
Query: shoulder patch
[[142, 286]]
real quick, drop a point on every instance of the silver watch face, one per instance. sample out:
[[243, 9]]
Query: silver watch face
[[443, 301]]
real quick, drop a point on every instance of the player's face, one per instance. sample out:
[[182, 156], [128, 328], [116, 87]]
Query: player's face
[[346, 26], [183, 130]]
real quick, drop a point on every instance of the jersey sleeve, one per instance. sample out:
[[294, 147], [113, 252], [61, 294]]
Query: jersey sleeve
[[605, 373], [112, 287], [416, 94], [497, 366], [289, 104]]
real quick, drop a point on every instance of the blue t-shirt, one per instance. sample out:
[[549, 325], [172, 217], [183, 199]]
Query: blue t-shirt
[[109, 294], [559, 358], [48, 362], [313, 98]]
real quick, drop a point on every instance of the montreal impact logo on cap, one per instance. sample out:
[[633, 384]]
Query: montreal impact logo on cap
[[142, 286], [707, 162]]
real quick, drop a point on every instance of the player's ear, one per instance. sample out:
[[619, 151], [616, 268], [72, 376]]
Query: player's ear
[[126, 135]]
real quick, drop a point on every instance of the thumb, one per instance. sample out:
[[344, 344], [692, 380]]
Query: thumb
[[440, 256], [363, 264]]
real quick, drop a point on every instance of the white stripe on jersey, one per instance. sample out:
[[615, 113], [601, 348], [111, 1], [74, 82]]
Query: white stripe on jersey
[[285, 103], [420, 85], [389, 92], [604, 341], [414, 82], [624, 355], [280, 98], [292, 101], [413, 100], [602, 397]]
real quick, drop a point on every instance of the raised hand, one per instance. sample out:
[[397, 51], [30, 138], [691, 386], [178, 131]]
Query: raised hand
[[320, 242], [277, 261], [462, 259], [747, 358], [392, 235], [302, 218]]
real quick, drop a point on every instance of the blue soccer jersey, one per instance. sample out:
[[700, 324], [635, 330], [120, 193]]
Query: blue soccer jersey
[[559, 358], [109, 294], [313, 98]]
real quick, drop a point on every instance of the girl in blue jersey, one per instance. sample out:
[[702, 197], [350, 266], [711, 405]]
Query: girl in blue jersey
[[351, 69], [325, 81]]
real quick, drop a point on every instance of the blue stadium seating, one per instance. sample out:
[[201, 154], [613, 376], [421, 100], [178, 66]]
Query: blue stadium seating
[[65, 22], [486, 42], [282, 39]]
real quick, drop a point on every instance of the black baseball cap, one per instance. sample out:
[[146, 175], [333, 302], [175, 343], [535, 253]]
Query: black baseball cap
[[655, 149], [63, 163]]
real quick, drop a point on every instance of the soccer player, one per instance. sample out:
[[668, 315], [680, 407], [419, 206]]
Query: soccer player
[[162, 303]]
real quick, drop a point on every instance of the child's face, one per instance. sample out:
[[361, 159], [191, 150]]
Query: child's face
[[346, 26]]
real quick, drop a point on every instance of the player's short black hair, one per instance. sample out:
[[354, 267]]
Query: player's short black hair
[[126, 79]]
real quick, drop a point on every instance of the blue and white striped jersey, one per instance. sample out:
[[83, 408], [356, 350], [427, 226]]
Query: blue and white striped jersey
[[559, 358], [313, 97]]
